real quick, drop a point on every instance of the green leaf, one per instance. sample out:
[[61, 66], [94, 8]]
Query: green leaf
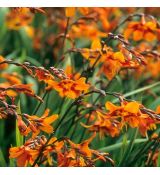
[[139, 90], [33, 61], [2, 126], [12, 162], [155, 103], [2, 159], [119, 145], [124, 144], [129, 148], [158, 161], [19, 137]]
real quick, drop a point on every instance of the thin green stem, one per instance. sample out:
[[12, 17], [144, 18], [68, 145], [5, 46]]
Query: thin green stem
[[139, 90], [84, 130], [63, 42], [129, 149], [39, 104]]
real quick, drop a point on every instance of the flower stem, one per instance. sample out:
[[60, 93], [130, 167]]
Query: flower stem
[[39, 104]]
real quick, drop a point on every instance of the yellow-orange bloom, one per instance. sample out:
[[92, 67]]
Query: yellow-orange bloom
[[3, 66], [79, 155], [70, 73], [130, 113], [69, 88], [27, 153], [43, 123], [104, 124], [70, 11], [12, 78], [18, 18], [112, 62], [85, 30], [139, 31], [24, 130], [23, 155]]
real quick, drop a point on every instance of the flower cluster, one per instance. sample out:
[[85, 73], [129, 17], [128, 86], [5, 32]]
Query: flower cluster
[[68, 153], [77, 83], [116, 118], [36, 124]]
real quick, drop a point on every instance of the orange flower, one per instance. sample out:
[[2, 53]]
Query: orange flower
[[92, 53], [18, 18], [30, 31], [55, 146], [27, 153], [10, 93], [152, 67], [139, 31], [85, 30], [84, 10], [70, 73], [112, 62], [12, 78], [131, 107], [96, 51], [70, 11], [13, 85], [104, 125], [3, 66], [146, 123], [43, 75], [26, 89], [110, 68], [128, 113], [23, 154], [24, 130], [69, 88], [158, 109], [37, 124], [79, 155]]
